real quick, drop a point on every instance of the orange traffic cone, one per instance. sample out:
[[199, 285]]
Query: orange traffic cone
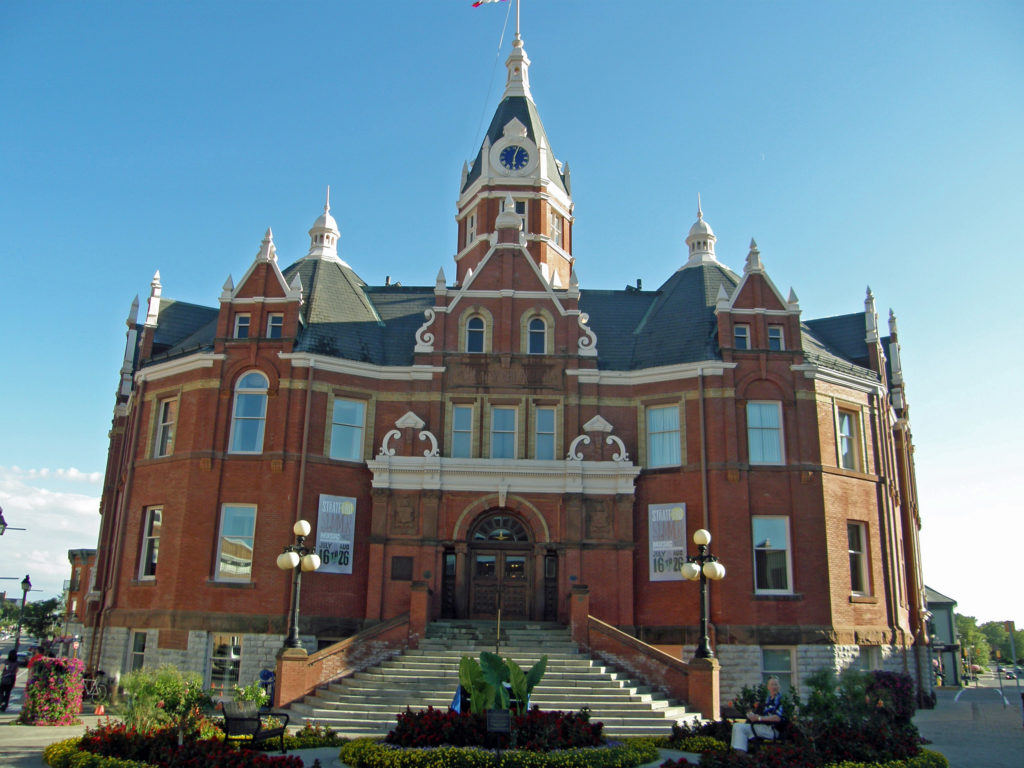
[[100, 710]]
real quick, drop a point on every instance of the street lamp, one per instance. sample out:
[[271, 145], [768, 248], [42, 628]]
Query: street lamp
[[703, 566], [26, 585], [297, 558]]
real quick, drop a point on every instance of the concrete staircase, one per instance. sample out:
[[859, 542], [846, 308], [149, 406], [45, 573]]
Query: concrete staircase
[[366, 703]]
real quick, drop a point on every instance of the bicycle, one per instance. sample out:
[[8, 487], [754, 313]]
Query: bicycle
[[95, 688]]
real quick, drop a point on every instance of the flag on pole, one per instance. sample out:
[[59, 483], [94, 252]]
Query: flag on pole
[[478, 3]]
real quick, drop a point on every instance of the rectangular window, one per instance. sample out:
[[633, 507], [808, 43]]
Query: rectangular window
[[347, 420], [741, 336], [848, 439], [234, 550], [556, 229], [470, 228], [764, 432], [776, 340], [275, 325], [241, 326], [503, 433], [167, 417], [544, 436], [772, 565], [150, 542], [857, 537], [778, 662], [462, 431], [137, 651], [663, 436], [225, 663]]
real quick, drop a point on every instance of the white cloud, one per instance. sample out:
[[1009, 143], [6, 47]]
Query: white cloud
[[72, 474], [55, 521]]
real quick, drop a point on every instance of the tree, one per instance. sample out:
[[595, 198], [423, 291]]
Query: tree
[[973, 640], [43, 618], [999, 638]]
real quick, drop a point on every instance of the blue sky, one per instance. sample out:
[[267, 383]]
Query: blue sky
[[859, 143]]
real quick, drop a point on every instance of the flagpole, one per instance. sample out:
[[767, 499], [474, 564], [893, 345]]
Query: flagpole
[[517, 18]]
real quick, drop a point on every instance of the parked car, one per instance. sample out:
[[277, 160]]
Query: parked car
[[1010, 675], [23, 657]]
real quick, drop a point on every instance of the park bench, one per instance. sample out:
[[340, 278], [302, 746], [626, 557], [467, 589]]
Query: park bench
[[243, 721]]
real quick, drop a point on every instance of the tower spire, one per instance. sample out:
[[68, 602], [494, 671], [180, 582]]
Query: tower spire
[[518, 65], [324, 234]]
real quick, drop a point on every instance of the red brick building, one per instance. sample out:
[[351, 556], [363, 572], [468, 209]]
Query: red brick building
[[507, 432]]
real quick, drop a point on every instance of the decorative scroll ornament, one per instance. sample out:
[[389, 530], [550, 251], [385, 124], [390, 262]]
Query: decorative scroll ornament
[[432, 451], [621, 455], [384, 450], [425, 340], [574, 452], [587, 344]]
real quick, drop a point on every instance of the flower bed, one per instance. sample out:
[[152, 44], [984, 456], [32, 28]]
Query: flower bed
[[116, 745], [535, 731], [53, 694]]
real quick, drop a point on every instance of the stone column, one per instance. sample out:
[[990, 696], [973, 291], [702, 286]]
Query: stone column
[[419, 612], [579, 611], [290, 677], [704, 687]]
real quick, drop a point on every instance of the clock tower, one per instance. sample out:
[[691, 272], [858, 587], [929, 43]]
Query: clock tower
[[516, 159]]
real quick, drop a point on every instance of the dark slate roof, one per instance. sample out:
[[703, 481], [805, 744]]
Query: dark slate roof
[[526, 111], [932, 596], [332, 292], [183, 327], [681, 326], [345, 318], [843, 336]]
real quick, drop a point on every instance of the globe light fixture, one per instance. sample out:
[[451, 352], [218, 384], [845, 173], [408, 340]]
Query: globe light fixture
[[297, 558], [701, 567]]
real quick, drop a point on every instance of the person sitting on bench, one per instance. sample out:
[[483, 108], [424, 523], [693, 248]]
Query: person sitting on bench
[[762, 722]]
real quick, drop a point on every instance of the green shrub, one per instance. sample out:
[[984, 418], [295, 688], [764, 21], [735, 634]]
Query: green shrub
[[162, 697], [701, 744], [310, 736], [65, 754], [366, 753], [254, 692]]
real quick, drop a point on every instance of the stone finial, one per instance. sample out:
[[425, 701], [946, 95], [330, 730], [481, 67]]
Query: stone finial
[[508, 218], [268, 251], [754, 263]]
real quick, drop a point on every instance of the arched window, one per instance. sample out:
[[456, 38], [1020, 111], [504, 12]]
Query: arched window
[[475, 334], [538, 336], [249, 414], [499, 527]]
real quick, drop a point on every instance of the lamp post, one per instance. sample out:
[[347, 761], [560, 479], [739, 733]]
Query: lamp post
[[4, 526], [26, 585], [703, 566], [297, 558]]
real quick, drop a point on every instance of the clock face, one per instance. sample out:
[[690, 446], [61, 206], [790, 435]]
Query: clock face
[[514, 157]]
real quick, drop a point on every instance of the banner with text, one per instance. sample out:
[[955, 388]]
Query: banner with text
[[666, 535], [335, 533]]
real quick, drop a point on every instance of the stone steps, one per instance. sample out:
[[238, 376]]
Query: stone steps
[[366, 703]]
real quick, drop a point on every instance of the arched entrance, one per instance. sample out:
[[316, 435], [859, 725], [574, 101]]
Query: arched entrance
[[500, 567]]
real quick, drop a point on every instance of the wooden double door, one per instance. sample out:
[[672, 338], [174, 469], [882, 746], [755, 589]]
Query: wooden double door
[[500, 578]]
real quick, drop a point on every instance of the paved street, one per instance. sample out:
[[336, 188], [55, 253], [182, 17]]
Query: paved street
[[971, 727]]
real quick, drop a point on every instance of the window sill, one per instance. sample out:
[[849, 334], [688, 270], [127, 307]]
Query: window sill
[[864, 599], [230, 584], [144, 582], [780, 596]]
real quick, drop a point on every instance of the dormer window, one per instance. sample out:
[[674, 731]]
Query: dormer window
[[275, 325], [776, 339], [741, 336], [242, 326]]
